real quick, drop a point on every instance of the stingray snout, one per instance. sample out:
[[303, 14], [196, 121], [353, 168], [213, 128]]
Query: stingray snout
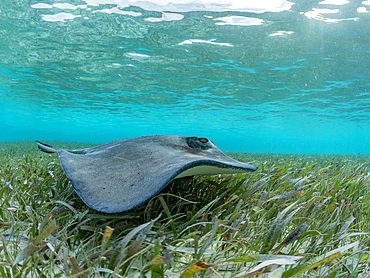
[[250, 167]]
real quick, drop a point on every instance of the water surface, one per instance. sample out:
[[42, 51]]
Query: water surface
[[276, 76]]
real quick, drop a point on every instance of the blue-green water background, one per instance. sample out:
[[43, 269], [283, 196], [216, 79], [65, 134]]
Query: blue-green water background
[[291, 84]]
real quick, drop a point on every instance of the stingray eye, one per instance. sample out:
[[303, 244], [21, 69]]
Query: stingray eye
[[199, 143]]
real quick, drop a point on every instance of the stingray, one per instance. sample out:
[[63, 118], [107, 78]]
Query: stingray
[[121, 175]]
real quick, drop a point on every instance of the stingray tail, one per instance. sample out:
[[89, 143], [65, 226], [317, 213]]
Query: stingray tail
[[46, 148]]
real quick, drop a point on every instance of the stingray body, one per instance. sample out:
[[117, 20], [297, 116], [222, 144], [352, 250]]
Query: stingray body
[[122, 175]]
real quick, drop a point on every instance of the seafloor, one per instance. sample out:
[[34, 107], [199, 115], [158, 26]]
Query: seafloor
[[296, 215]]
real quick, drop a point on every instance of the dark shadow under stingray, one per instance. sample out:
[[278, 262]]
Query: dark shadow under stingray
[[122, 175]]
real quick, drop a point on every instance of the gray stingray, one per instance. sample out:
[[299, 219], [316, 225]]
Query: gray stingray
[[122, 175]]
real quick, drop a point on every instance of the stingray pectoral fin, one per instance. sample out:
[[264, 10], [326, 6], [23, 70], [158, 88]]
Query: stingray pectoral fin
[[46, 148], [109, 198], [114, 188]]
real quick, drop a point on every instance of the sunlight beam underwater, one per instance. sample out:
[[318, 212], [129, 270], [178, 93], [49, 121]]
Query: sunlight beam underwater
[[121, 175]]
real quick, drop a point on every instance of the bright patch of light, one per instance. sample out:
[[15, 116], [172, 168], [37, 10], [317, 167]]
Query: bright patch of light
[[334, 2], [41, 6], [59, 17], [138, 55], [362, 10], [166, 17], [154, 19], [116, 10], [281, 33], [65, 6], [172, 16], [367, 2], [212, 41], [318, 14], [315, 11], [239, 20]]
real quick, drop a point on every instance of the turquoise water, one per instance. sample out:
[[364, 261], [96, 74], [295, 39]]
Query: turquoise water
[[276, 76]]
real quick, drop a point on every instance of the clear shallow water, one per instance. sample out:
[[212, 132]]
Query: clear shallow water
[[278, 77]]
